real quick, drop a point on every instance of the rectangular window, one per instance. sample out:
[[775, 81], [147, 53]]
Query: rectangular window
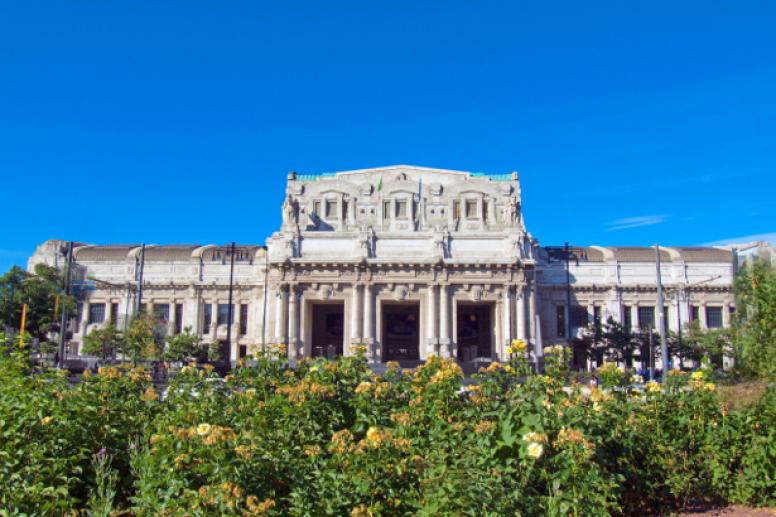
[[317, 208], [401, 209], [627, 324], [207, 320], [597, 316], [471, 209], [646, 317], [578, 316], [560, 320], [162, 312], [456, 209], [178, 318], [331, 208], [386, 210], [243, 319], [96, 313], [223, 314], [714, 317], [114, 313], [695, 313], [243, 351], [345, 209]]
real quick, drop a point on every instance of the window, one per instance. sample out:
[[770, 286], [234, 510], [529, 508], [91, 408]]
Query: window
[[162, 312], [401, 209], [714, 317], [208, 318], [114, 313], [142, 309], [627, 324], [695, 313], [96, 313], [386, 210], [485, 213], [243, 351], [331, 208], [243, 319], [560, 320], [578, 316], [471, 208], [646, 318], [223, 314], [178, 318], [317, 208], [597, 316], [456, 209], [344, 209]]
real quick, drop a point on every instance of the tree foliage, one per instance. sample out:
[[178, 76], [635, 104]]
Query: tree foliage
[[755, 326], [43, 293]]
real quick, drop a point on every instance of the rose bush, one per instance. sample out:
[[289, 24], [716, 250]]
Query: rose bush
[[331, 437]]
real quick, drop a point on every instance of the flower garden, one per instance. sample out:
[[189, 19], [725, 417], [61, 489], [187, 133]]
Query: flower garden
[[332, 438]]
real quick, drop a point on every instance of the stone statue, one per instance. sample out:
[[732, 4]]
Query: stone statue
[[290, 217]]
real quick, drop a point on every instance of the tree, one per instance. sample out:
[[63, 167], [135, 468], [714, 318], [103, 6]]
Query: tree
[[140, 340], [755, 325], [182, 347], [619, 341], [103, 342], [41, 291]]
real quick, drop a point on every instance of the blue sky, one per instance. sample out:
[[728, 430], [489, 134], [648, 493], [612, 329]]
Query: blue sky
[[176, 122]]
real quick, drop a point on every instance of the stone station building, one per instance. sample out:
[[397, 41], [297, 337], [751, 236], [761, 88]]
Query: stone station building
[[409, 261]]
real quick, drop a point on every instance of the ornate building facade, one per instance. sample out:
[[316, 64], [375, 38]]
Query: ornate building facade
[[409, 261]]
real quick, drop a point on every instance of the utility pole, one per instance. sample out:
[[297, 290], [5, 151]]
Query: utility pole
[[661, 315], [139, 299], [567, 256], [229, 306], [63, 321]]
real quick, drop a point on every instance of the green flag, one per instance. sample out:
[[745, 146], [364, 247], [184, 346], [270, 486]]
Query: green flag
[[380, 184]]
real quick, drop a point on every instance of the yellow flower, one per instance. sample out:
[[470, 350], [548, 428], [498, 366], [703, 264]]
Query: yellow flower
[[363, 387], [150, 395], [697, 376], [46, 420], [484, 426], [519, 345], [203, 429], [709, 386], [375, 436], [535, 450], [535, 437], [653, 387], [250, 392]]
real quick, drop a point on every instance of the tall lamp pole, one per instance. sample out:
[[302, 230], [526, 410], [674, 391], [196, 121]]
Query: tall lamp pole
[[229, 306], [63, 321], [661, 315]]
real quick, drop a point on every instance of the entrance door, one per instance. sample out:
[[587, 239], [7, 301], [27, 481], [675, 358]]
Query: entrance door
[[401, 338], [474, 331], [328, 329]]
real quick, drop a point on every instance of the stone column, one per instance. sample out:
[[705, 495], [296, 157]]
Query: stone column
[[702, 315], [355, 315], [726, 314], [506, 320], [171, 319], [445, 345], [520, 320], [280, 309], [84, 318], [213, 320], [532, 313], [293, 342], [369, 332], [431, 320], [635, 323]]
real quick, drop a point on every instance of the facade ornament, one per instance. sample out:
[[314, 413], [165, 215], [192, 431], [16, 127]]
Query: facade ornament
[[476, 293], [400, 293], [290, 214], [324, 292]]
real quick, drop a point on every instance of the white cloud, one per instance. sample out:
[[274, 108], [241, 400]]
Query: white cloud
[[767, 237], [634, 222]]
